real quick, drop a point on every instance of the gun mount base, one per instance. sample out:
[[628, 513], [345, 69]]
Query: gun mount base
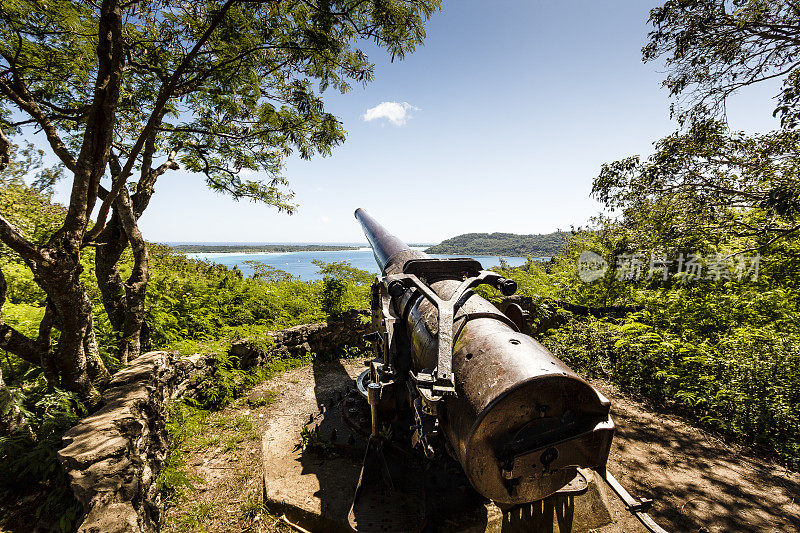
[[314, 487], [390, 495]]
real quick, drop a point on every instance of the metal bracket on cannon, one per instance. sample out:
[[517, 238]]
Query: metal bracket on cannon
[[384, 320], [419, 274]]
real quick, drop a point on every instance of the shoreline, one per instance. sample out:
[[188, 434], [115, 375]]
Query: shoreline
[[262, 249], [364, 249]]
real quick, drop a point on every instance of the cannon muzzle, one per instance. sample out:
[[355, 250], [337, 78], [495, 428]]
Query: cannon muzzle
[[385, 247]]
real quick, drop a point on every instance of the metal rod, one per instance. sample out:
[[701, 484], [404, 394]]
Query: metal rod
[[633, 505], [374, 397], [292, 525]]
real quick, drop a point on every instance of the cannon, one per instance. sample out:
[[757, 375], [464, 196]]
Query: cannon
[[517, 419]]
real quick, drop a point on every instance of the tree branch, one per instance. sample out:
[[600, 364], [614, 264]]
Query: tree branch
[[165, 94], [12, 237], [28, 105], [148, 181], [99, 132], [5, 150], [782, 233], [11, 339]]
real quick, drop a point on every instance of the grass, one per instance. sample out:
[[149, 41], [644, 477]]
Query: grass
[[217, 428], [207, 441], [310, 439], [209, 434], [252, 508], [206, 427], [195, 517], [269, 397], [186, 427]]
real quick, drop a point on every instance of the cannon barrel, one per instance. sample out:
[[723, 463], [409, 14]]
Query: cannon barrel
[[520, 421], [386, 248]]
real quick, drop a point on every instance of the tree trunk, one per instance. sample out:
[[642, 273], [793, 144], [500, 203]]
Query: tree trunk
[[94, 364], [75, 358], [136, 286], [45, 347], [5, 150], [75, 363], [124, 302], [110, 245]]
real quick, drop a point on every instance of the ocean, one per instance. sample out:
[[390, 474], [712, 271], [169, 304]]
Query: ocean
[[300, 264]]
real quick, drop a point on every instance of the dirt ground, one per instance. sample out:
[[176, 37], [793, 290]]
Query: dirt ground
[[224, 464], [698, 482]]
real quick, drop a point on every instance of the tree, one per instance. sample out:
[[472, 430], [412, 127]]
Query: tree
[[712, 48], [705, 185], [29, 207], [341, 282], [128, 90]]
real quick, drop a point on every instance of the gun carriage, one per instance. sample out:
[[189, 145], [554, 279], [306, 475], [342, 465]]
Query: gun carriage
[[517, 419]]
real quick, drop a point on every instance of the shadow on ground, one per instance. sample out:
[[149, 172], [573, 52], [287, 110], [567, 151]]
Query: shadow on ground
[[451, 503], [698, 482]]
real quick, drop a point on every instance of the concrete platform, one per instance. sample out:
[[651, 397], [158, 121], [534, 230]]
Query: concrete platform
[[314, 487]]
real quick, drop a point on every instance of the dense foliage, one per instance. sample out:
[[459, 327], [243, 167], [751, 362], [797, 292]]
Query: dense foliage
[[192, 307], [708, 186], [724, 352], [124, 92], [508, 244]]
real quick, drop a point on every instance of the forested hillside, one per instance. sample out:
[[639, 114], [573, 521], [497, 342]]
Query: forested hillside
[[509, 244]]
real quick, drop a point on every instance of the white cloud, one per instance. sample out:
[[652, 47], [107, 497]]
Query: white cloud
[[395, 112]]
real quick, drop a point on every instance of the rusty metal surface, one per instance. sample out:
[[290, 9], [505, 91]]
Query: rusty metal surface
[[517, 315], [384, 244], [520, 421]]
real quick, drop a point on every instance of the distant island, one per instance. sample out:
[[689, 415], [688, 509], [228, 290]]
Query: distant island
[[256, 249], [508, 244]]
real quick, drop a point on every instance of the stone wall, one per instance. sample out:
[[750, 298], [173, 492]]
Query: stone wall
[[113, 456], [325, 338]]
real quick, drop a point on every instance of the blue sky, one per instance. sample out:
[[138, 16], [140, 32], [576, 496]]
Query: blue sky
[[516, 104]]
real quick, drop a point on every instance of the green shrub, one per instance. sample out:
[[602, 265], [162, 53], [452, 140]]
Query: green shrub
[[744, 382], [30, 463]]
